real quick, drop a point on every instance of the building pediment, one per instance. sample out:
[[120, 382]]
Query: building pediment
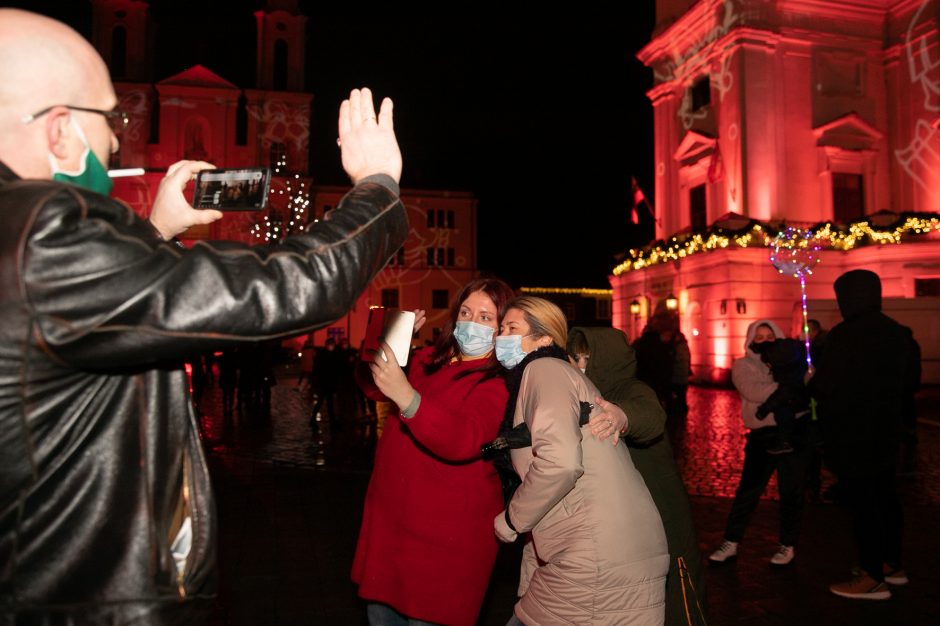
[[849, 132], [693, 147], [198, 76]]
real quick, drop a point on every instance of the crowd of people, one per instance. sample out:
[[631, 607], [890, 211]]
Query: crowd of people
[[104, 474]]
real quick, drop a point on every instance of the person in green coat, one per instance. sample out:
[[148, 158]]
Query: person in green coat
[[607, 359]]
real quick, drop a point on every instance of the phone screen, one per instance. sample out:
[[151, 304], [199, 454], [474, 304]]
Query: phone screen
[[232, 189]]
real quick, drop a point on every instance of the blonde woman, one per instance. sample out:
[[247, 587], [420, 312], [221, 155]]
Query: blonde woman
[[598, 551]]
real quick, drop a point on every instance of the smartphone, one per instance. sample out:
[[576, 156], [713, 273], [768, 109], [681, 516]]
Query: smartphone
[[232, 189], [394, 328]]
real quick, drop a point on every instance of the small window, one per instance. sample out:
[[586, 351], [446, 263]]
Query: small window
[[440, 256], [440, 298], [440, 219], [848, 198], [571, 311], [698, 209], [603, 309], [450, 257], [119, 52], [390, 298], [430, 257], [241, 121], [277, 154], [280, 65], [926, 287], [450, 219], [701, 93], [430, 218], [400, 257]]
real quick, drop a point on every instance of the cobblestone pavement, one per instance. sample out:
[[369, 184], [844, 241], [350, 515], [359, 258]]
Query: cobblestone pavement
[[290, 500]]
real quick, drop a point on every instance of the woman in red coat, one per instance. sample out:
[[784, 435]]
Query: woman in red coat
[[426, 547]]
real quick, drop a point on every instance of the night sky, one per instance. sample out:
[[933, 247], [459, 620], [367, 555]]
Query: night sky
[[543, 119]]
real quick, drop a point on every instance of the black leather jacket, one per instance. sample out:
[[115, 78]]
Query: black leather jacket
[[96, 426]]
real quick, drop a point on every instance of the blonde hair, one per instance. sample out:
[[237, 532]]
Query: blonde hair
[[543, 317]]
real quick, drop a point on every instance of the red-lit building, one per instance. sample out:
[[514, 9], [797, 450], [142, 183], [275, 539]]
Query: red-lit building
[[438, 258], [198, 114], [808, 112]]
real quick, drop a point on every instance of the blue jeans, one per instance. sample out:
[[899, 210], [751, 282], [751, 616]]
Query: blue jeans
[[384, 615], [514, 621]]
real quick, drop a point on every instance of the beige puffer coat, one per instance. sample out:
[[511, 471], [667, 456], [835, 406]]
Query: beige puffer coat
[[598, 551]]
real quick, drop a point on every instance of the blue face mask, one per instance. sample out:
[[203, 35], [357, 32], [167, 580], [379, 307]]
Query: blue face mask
[[509, 350], [474, 339], [91, 175]]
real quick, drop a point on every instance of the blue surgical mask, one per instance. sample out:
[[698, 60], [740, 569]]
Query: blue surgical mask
[[91, 175], [474, 339], [509, 350]]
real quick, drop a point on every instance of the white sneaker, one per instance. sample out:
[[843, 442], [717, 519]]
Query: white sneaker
[[783, 557], [727, 551]]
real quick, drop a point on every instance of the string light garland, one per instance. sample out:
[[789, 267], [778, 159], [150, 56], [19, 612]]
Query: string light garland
[[272, 226], [584, 291], [757, 234]]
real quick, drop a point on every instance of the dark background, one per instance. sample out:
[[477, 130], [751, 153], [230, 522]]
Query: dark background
[[544, 118]]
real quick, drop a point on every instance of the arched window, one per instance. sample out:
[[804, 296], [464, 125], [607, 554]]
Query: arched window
[[280, 65], [118, 52], [241, 121], [195, 140]]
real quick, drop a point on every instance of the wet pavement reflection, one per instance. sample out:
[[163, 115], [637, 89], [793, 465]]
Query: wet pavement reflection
[[290, 491]]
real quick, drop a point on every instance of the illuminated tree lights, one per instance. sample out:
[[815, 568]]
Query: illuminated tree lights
[[756, 234], [272, 226]]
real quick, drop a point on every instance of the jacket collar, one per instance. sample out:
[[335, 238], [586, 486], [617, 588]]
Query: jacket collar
[[6, 174]]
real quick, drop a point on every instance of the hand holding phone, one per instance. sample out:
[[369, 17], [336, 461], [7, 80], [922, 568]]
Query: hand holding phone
[[394, 328], [232, 189]]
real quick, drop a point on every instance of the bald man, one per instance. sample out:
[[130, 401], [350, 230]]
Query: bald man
[[106, 511]]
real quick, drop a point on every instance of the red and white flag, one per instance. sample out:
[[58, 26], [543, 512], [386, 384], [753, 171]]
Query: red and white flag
[[638, 198], [716, 167]]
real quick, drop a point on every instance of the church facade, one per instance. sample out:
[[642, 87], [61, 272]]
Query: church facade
[[811, 114]]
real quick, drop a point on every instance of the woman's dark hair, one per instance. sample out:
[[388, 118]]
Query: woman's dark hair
[[445, 348]]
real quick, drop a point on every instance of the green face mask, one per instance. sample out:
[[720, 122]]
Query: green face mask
[[92, 175]]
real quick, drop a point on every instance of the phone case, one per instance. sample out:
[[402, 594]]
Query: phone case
[[393, 327]]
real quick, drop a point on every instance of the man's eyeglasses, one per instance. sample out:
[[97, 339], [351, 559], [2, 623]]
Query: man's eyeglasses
[[117, 120]]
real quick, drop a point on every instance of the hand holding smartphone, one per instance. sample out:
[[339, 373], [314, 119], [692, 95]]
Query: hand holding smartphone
[[394, 328], [243, 189]]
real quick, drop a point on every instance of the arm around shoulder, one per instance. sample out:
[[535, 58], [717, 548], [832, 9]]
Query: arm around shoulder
[[551, 409]]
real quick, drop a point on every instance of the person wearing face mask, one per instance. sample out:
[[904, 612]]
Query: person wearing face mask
[[426, 547], [755, 383], [106, 507], [598, 552]]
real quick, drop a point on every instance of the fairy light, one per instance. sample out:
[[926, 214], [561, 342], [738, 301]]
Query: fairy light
[[755, 234], [272, 225], [584, 291]]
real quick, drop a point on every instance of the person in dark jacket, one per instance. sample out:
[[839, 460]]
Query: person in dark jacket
[[860, 385], [656, 355], [606, 358], [787, 361], [106, 509]]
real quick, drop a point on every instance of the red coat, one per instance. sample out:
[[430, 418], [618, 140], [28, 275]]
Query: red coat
[[426, 547]]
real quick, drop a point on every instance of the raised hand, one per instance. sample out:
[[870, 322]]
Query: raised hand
[[367, 142]]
